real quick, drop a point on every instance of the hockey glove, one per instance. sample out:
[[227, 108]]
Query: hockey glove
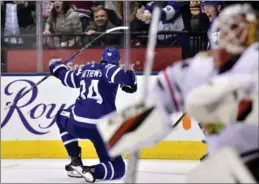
[[56, 66], [130, 88]]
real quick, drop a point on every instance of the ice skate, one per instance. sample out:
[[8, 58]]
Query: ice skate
[[86, 172], [73, 167]]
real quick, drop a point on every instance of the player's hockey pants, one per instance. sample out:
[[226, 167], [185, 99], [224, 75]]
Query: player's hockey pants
[[70, 131]]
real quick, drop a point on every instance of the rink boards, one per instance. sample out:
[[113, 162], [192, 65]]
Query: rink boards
[[28, 129]]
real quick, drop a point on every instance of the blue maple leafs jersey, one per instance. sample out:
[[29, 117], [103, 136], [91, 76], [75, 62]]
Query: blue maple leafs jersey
[[170, 20], [98, 85], [168, 11]]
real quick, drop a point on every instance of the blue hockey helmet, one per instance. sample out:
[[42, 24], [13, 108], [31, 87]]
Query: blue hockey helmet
[[111, 55]]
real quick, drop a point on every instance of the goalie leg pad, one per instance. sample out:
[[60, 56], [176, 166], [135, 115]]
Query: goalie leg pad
[[223, 167], [140, 125], [242, 137]]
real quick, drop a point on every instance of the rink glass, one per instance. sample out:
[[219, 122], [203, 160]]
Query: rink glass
[[24, 49]]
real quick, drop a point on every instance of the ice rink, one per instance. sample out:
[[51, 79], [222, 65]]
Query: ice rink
[[52, 171]]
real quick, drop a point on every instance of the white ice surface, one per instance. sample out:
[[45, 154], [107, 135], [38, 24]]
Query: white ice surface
[[52, 171]]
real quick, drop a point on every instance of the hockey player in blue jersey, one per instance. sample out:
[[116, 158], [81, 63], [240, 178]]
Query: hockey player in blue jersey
[[98, 85]]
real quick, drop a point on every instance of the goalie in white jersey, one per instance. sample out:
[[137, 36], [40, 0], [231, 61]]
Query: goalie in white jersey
[[227, 106], [236, 53]]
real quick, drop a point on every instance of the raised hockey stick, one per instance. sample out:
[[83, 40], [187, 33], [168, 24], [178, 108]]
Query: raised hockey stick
[[10, 104], [133, 157]]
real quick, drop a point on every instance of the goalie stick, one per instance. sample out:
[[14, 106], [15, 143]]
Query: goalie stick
[[10, 104], [133, 157]]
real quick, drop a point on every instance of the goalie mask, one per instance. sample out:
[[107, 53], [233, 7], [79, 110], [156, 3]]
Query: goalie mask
[[238, 28]]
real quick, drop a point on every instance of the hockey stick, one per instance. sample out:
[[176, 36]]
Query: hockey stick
[[10, 104], [133, 157]]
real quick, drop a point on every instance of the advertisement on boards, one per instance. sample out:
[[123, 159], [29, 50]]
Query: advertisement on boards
[[22, 61], [32, 118]]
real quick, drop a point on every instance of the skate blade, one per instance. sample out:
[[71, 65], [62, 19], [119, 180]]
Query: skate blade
[[74, 174], [87, 176]]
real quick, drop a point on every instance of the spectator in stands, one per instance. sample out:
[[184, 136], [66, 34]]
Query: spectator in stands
[[136, 25], [199, 21], [185, 13], [25, 18], [211, 8], [84, 10], [100, 21], [63, 20], [171, 20], [195, 7], [19, 21], [86, 5], [119, 11], [100, 24], [46, 8]]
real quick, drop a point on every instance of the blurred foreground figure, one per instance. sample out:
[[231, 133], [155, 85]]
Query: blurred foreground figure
[[234, 55]]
